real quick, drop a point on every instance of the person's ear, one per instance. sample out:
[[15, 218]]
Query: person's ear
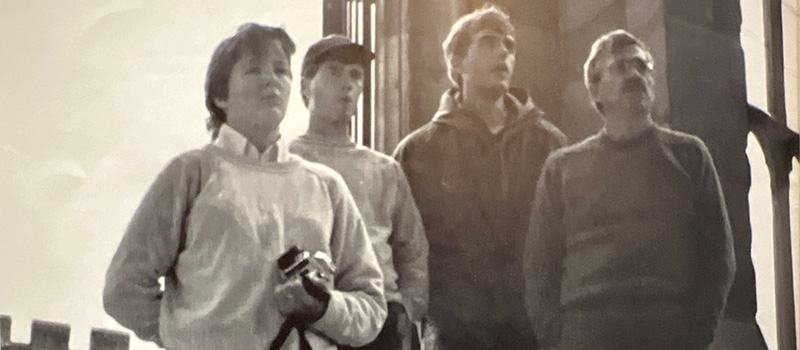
[[221, 103]]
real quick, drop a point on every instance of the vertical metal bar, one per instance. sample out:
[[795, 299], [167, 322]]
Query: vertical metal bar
[[373, 72], [380, 63], [366, 35], [781, 225], [404, 74]]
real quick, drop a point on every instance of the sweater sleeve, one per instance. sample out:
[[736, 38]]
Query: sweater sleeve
[[357, 307], [544, 252], [148, 250], [716, 262], [409, 249]]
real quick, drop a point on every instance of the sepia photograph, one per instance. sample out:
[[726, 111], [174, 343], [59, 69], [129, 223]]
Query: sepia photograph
[[400, 174]]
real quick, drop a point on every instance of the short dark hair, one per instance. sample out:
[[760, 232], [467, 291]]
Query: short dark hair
[[610, 43], [461, 33], [249, 37]]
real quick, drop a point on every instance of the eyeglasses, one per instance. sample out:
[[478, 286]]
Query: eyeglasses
[[623, 65]]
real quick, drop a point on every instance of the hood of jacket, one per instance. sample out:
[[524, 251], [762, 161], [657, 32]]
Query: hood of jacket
[[516, 99]]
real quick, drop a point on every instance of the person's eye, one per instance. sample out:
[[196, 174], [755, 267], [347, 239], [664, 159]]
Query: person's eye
[[337, 70]]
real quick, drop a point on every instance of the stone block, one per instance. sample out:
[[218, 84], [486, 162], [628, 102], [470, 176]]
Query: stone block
[[47, 335], [5, 329], [103, 339]]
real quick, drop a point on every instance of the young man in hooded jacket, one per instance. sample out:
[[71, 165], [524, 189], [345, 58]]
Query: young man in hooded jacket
[[473, 171]]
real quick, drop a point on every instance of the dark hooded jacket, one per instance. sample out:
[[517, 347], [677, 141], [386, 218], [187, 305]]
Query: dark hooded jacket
[[474, 190]]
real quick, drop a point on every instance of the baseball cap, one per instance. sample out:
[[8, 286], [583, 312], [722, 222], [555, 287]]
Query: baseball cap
[[334, 44]]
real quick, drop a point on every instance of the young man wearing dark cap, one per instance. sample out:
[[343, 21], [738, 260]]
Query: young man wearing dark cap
[[332, 81]]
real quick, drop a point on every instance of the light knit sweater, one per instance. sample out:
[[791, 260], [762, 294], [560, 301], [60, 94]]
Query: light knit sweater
[[213, 224], [387, 206]]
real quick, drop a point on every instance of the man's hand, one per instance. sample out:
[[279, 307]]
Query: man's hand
[[309, 301]]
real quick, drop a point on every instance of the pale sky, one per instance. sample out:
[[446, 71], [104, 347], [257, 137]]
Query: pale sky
[[97, 96]]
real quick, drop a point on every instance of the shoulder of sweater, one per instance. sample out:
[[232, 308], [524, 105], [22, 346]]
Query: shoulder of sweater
[[190, 161], [423, 135], [320, 171], [549, 129], [586, 146], [375, 158], [678, 137], [366, 154], [684, 144]]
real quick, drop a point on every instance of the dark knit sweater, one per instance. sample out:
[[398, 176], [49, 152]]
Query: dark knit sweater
[[615, 221]]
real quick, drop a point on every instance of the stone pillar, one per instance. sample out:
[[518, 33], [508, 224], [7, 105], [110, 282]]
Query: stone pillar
[[428, 25]]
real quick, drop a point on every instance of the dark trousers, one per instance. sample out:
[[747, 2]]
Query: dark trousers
[[646, 326]]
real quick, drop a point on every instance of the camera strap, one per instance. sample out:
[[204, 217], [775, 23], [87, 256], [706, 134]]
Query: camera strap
[[286, 329], [300, 322]]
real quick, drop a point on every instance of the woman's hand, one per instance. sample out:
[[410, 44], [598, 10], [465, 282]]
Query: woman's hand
[[306, 296]]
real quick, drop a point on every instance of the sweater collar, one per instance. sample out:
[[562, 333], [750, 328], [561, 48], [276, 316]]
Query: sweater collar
[[332, 141], [231, 140]]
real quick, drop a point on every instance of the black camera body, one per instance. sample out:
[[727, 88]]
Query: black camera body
[[298, 262]]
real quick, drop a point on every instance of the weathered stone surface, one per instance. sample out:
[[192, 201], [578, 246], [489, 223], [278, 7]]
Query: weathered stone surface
[[576, 14], [540, 14], [428, 25], [727, 16], [707, 87], [578, 42], [644, 16], [578, 118], [538, 67], [699, 12]]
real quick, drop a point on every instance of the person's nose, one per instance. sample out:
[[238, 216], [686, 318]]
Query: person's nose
[[269, 77], [350, 84]]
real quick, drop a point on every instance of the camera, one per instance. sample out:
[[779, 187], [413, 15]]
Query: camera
[[298, 262]]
